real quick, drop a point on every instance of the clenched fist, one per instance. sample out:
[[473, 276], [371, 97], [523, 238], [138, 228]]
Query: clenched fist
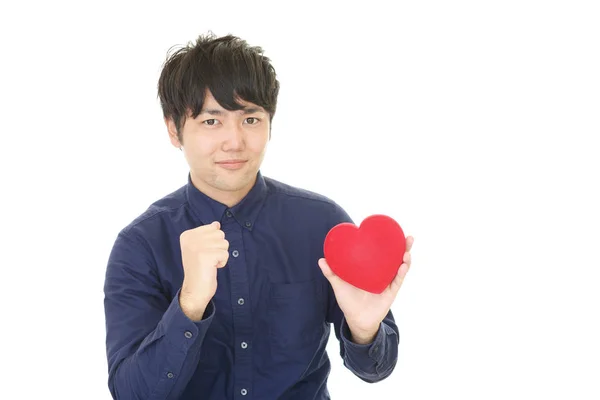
[[203, 251]]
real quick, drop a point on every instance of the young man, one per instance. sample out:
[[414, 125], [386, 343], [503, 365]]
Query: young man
[[220, 290]]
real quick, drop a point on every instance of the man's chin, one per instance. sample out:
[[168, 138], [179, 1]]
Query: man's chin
[[236, 185]]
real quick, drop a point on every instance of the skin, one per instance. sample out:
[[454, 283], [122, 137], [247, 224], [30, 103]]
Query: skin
[[210, 143], [218, 136], [363, 310]]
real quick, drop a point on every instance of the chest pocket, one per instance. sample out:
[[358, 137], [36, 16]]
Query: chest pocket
[[296, 315]]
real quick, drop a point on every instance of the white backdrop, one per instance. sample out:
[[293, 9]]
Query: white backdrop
[[472, 123]]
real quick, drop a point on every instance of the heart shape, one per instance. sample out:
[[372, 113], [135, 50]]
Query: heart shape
[[367, 256]]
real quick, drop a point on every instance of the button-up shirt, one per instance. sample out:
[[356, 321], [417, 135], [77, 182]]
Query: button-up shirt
[[265, 331]]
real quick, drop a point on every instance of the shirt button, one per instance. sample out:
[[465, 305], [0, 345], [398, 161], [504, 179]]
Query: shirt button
[[188, 334], [228, 213], [248, 224], [235, 253], [244, 345], [244, 392], [170, 375], [241, 302]]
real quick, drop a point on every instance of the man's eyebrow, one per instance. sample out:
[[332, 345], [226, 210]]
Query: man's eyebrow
[[247, 110], [252, 110], [211, 111]]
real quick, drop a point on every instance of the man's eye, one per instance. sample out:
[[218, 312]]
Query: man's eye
[[211, 122], [252, 120]]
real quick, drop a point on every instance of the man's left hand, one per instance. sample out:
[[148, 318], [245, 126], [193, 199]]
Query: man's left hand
[[363, 310]]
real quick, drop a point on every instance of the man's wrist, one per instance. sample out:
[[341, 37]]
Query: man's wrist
[[362, 336], [193, 309]]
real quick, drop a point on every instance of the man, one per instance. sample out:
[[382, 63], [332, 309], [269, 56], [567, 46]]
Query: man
[[220, 289]]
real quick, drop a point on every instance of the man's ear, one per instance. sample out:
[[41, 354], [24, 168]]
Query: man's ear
[[172, 130]]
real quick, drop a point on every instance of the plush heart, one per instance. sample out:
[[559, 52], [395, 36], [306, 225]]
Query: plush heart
[[368, 256]]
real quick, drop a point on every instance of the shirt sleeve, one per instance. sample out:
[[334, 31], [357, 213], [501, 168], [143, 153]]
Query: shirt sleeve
[[375, 361], [152, 347], [371, 362]]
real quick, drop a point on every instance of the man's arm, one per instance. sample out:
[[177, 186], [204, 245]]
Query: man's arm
[[153, 348], [371, 362]]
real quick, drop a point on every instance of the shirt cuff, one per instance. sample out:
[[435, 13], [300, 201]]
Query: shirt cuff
[[182, 332], [365, 354]]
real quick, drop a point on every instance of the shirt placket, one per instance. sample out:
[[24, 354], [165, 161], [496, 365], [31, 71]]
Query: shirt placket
[[240, 301]]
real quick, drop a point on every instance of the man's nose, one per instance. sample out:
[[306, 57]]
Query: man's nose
[[235, 138]]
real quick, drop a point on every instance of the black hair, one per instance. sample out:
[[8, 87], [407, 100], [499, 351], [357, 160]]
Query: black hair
[[227, 66]]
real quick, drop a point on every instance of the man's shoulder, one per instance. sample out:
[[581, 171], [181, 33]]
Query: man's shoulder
[[286, 190], [163, 207], [302, 198]]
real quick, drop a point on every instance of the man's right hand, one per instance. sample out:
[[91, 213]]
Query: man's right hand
[[203, 251]]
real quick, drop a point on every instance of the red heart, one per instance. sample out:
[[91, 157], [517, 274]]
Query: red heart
[[368, 256]]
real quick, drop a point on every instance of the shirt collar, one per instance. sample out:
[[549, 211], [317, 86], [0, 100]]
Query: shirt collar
[[245, 212]]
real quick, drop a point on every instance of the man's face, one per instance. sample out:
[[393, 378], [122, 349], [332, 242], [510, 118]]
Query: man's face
[[224, 149]]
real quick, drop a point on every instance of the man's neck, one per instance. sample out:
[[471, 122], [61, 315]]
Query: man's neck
[[229, 198]]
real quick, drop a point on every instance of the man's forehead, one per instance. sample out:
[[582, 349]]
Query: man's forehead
[[211, 106], [211, 102]]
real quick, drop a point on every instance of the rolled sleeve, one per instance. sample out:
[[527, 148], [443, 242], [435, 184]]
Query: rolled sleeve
[[374, 361]]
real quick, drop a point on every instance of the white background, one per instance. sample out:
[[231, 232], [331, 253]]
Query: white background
[[473, 123]]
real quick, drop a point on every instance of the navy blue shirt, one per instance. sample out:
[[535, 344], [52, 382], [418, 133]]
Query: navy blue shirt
[[264, 333]]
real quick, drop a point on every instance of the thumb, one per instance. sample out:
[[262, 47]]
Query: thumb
[[329, 274]]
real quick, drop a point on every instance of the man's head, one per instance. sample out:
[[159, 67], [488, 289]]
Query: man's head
[[219, 97]]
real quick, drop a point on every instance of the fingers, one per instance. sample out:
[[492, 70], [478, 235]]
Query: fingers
[[215, 225], [215, 237], [407, 258], [397, 282], [222, 256], [221, 244], [409, 243], [403, 270], [212, 229]]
